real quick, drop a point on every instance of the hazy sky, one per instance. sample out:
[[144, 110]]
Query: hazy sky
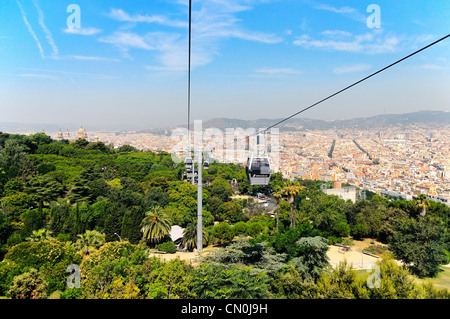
[[127, 61]]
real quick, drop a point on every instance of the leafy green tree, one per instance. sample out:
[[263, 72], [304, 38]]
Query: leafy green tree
[[286, 241], [131, 224], [223, 232], [61, 220], [290, 284], [99, 146], [230, 211], [43, 189], [313, 259], [8, 270], [5, 228], [419, 244], [214, 204], [105, 265], [32, 220], [15, 205], [80, 143], [260, 256], [49, 258], [12, 157], [29, 285], [156, 225], [218, 282], [171, 280], [113, 222], [341, 229], [359, 231], [126, 149], [221, 189], [13, 186], [240, 228]]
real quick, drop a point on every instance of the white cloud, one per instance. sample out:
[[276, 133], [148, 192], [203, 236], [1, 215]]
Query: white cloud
[[348, 12], [38, 76], [277, 71], [120, 15], [127, 40], [47, 32], [93, 58], [367, 43], [335, 10], [432, 67], [214, 21], [82, 31], [351, 68], [30, 29]]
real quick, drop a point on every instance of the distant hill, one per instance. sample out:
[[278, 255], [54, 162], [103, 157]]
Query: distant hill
[[294, 124], [421, 117]]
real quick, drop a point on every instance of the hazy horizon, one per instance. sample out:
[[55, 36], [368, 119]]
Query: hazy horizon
[[72, 126]]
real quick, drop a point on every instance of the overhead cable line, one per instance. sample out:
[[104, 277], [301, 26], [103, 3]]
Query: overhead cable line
[[189, 70], [354, 84]]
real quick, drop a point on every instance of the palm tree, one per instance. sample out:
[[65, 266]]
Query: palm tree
[[40, 235], [277, 196], [290, 191], [89, 241], [156, 224], [422, 202], [189, 240]]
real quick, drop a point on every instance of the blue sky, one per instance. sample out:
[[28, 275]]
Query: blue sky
[[126, 64]]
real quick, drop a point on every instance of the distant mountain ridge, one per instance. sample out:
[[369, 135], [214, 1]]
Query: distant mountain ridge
[[294, 124], [421, 117]]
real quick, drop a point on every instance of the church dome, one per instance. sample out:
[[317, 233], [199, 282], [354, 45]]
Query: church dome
[[81, 133]]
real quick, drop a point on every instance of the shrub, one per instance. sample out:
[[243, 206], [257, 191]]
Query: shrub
[[359, 231], [341, 229], [168, 247], [29, 285], [223, 232], [240, 228], [50, 259]]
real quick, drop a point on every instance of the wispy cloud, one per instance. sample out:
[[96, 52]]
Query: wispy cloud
[[30, 29], [93, 58], [47, 32], [38, 76], [60, 75], [214, 21], [351, 68], [126, 40], [277, 71], [120, 15], [82, 31], [367, 43], [432, 67], [346, 11]]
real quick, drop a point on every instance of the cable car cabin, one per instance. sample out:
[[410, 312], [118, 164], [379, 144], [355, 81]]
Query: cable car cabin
[[188, 163], [206, 165], [258, 170]]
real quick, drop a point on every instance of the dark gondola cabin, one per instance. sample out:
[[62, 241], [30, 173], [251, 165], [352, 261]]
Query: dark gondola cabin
[[258, 170]]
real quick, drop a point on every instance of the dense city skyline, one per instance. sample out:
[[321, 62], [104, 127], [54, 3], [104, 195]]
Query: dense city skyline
[[125, 63]]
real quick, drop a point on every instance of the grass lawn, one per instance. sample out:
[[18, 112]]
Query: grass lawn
[[442, 280]]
